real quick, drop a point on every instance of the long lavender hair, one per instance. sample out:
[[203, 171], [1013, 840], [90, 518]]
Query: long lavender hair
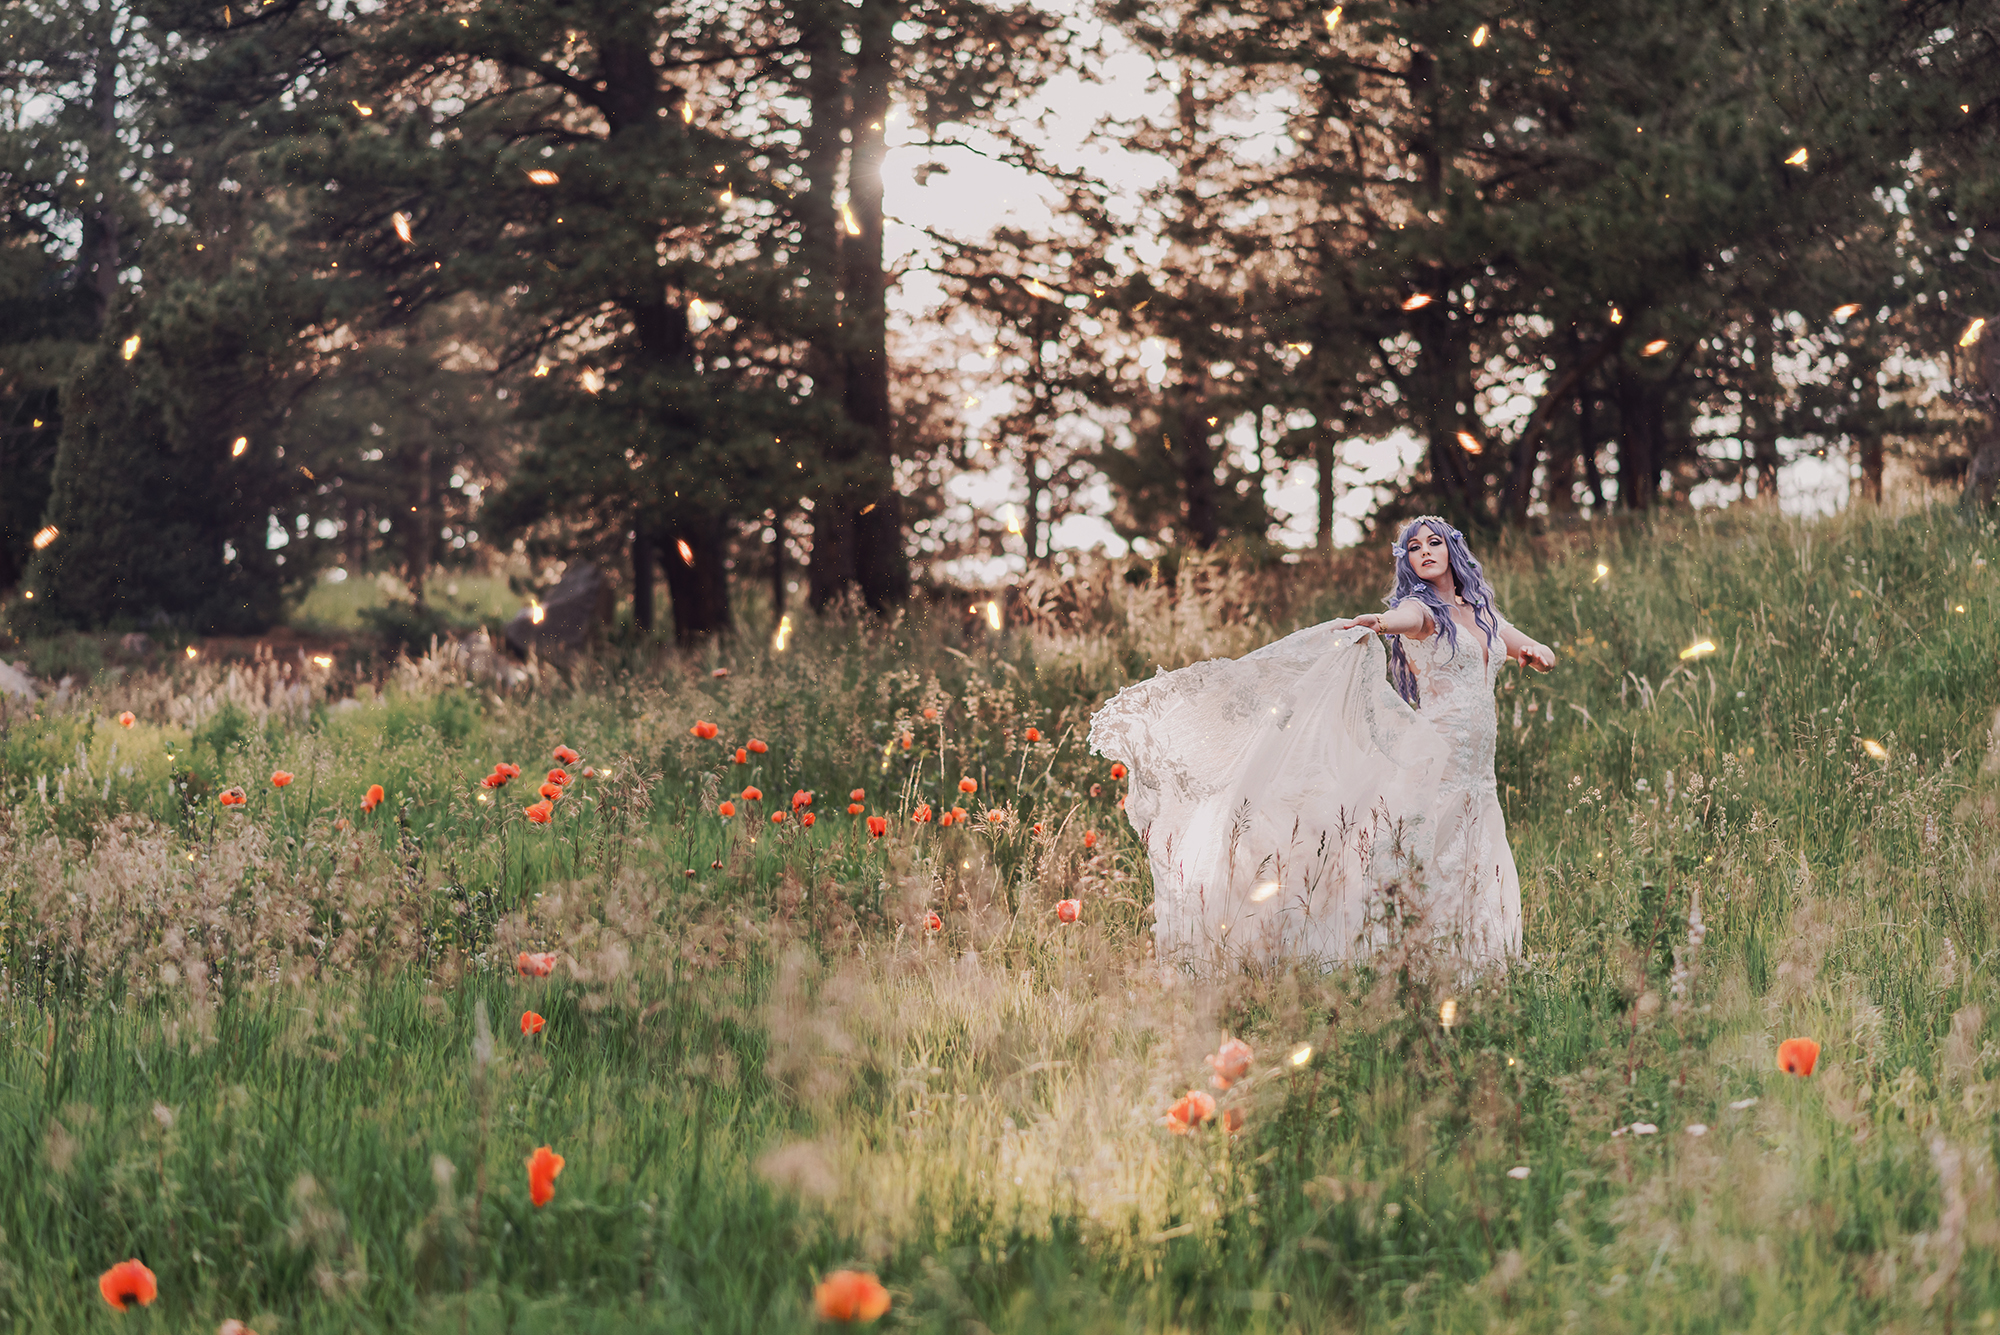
[[1465, 574]]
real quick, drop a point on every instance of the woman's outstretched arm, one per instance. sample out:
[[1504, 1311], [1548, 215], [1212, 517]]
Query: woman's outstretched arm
[[1521, 649], [1408, 617]]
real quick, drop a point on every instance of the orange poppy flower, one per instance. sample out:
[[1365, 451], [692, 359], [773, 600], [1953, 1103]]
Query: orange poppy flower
[[128, 1282], [540, 813], [1033, 734], [997, 816], [544, 1166], [757, 746], [557, 776], [374, 797], [944, 820], [907, 739], [1194, 1108], [877, 826], [1231, 1062], [930, 715], [777, 818], [806, 820], [1068, 910], [855, 808], [1117, 771], [511, 771], [753, 794], [933, 923], [726, 809], [801, 798], [742, 756], [532, 1023], [1038, 827], [922, 814], [1097, 790], [1798, 1056], [968, 785], [567, 756], [233, 797], [495, 780], [281, 778], [1090, 839], [1232, 1121], [127, 719], [705, 730], [589, 773], [551, 791], [850, 1295], [539, 965], [858, 795]]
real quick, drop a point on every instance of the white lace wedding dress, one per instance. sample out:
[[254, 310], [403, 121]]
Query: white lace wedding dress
[[1292, 803]]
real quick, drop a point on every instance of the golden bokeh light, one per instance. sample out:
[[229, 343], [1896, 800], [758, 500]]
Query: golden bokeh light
[[1698, 649], [543, 176]]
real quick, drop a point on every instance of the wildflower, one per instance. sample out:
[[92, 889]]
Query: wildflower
[[753, 794], [719, 673], [558, 776], [704, 729], [1232, 1121], [544, 1166], [855, 808], [231, 1326], [1090, 839], [1740, 1104], [531, 1023], [1519, 1174], [944, 820], [742, 756], [494, 781], [1194, 1108], [1645, 1129], [539, 965], [511, 771], [958, 815], [566, 756], [1038, 827], [127, 719], [1033, 734], [777, 818], [589, 773], [757, 746], [907, 739], [877, 826], [858, 795], [1697, 1129], [850, 1295], [922, 814], [801, 798], [281, 778], [1118, 771], [1068, 910], [233, 797], [550, 791], [128, 1282], [932, 922], [807, 820], [930, 715], [373, 798], [968, 785], [997, 816], [1097, 790], [1797, 1056], [1231, 1062], [726, 809]]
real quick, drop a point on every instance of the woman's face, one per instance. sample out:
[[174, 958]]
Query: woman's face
[[1426, 552]]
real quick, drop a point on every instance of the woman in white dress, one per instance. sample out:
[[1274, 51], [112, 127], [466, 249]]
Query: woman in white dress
[[1294, 804]]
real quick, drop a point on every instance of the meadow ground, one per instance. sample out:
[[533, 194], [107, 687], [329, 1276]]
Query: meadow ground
[[276, 1050]]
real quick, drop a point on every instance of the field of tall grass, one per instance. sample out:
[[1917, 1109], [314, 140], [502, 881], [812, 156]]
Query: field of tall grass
[[277, 1050]]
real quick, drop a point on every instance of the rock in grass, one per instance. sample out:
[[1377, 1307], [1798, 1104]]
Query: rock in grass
[[572, 612]]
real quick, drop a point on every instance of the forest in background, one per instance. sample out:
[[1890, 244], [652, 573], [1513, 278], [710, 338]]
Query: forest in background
[[405, 286]]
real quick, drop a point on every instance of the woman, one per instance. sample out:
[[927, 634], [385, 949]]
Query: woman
[[1294, 804]]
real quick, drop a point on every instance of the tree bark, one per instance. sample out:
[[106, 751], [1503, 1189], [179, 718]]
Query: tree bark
[[696, 564], [1323, 461], [1197, 460], [643, 561], [101, 227], [822, 28]]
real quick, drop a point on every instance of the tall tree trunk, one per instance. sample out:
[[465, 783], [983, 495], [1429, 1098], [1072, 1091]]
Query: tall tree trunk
[[695, 561], [778, 563], [1586, 433], [643, 563], [822, 28], [699, 588], [422, 528], [1323, 462], [101, 225], [1196, 452], [1638, 441]]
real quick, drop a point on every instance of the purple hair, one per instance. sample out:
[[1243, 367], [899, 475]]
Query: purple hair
[[1465, 574]]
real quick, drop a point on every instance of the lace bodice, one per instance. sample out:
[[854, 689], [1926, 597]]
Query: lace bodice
[[1455, 695]]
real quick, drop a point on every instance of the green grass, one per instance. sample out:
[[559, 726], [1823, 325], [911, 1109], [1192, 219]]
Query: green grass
[[242, 1045], [464, 600]]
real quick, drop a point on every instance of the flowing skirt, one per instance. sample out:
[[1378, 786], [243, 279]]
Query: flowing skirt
[[1293, 805]]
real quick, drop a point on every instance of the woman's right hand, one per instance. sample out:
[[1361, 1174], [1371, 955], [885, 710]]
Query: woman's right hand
[[1367, 621]]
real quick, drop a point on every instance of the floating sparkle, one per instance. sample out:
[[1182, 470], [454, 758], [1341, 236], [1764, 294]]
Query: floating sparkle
[[130, 348], [1418, 302], [870, 506], [1470, 443], [46, 536], [1302, 1054], [687, 112], [1333, 18], [1448, 1012], [1875, 749], [1797, 159], [1262, 891], [1036, 288], [993, 614], [591, 379], [543, 176], [1842, 312], [1965, 340], [847, 220], [191, 651], [1653, 349], [401, 222], [541, 370], [536, 612], [366, 111], [687, 552], [1617, 316], [237, 446], [1698, 649], [1603, 570], [784, 635], [323, 660], [1479, 38]]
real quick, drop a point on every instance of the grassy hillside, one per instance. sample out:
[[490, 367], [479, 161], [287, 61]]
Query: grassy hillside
[[276, 1050]]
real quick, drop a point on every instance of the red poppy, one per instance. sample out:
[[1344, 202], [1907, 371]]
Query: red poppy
[[968, 785], [531, 1023], [127, 719], [511, 771], [1090, 839], [921, 814], [757, 746], [1033, 734], [850, 1295], [801, 798], [726, 809], [705, 730], [855, 808], [806, 820], [536, 965], [1117, 771], [373, 798], [777, 818], [544, 1166], [551, 791], [958, 815], [1194, 1108], [1798, 1056], [495, 780], [907, 739], [944, 820], [566, 756], [858, 795], [932, 922], [233, 797], [281, 778], [558, 776], [1232, 1121], [997, 816], [540, 813], [930, 715], [753, 794], [1068, 910], [128, 1282], [878, 826], [1097, 790], [1038, 827], [589, 773], [1231, 1062], [742, 756]]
